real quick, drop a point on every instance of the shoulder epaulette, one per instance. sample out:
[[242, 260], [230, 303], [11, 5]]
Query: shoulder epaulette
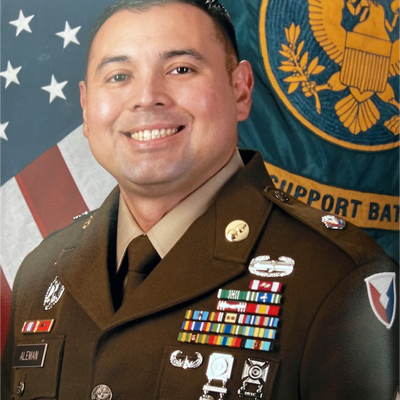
[[351, 239], [83, 220]]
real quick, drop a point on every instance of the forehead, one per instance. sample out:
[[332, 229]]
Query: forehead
[[159, 25]]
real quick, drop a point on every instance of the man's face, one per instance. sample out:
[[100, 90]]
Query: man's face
[[160, 74]]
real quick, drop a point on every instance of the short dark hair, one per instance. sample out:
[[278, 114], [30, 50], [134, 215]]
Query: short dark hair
[[213, 8]]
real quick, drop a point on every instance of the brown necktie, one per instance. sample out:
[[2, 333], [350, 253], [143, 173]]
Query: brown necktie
[[139, 261]]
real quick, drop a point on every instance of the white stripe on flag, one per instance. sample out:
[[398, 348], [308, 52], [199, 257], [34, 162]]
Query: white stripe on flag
[[19, 232], [93, 182]]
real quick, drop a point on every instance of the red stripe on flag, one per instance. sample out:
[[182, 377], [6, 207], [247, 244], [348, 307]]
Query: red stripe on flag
[[50, 192], [5, 308]]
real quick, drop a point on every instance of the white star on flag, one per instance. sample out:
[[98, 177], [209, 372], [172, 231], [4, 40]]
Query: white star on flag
[[10, 74], [55, 89], [69, 35], [3, 131], [22, 23]]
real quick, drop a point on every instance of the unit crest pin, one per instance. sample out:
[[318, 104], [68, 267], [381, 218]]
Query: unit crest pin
[[333, 222], [53, 294]]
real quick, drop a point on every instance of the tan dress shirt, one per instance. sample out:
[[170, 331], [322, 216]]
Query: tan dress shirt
[[174, 224]]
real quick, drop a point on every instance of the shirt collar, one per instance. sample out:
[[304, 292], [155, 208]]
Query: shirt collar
[[166, 233]]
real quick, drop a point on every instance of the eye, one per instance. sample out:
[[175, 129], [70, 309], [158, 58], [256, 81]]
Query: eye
[[181, 71], [119, 78]]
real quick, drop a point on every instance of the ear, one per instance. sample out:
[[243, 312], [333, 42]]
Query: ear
[[83, 91], [243, 82]]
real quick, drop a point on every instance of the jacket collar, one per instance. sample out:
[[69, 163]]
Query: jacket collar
[[200, 262]]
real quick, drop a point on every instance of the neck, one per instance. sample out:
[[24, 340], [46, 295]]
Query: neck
[[148, 210]]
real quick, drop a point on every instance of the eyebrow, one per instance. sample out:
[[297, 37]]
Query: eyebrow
[[184, 52], [109, 60]]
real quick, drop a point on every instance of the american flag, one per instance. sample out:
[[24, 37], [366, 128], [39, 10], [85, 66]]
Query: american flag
[[48, 174]]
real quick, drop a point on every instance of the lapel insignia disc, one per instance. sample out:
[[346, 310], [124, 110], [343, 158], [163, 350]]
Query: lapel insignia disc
[[256, 373], [219, 369], [53, 294], [265, 267], [185, 363], [237, 231], [382, 296], [333, 222]]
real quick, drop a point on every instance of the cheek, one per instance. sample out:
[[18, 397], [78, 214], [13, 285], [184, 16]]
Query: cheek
[[102, 110]]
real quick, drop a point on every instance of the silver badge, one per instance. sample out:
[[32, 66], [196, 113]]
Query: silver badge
[[333, 222], [219, 369], [53, 294], [267, 268], [236, 231], [101, 392], [185, 363], [256, 373]]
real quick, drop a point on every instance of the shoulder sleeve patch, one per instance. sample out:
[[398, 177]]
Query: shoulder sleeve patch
[[349, 238]]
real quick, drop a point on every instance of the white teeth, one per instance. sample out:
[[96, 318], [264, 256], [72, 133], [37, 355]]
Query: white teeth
[[154, 134]]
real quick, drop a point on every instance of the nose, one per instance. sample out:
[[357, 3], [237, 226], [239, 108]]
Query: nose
[[150, 91]]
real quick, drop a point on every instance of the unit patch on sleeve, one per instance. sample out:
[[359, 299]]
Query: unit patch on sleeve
[[382, 296]]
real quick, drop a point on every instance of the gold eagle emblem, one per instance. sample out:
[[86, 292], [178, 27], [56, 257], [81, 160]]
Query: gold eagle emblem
[[365, 54]]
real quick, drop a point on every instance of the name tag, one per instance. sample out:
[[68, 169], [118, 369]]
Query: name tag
[[29, 355]]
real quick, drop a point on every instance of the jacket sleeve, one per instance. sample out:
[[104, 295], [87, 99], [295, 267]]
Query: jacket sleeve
[[350, 354]]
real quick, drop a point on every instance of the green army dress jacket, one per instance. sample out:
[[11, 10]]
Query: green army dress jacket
[[325, 343]]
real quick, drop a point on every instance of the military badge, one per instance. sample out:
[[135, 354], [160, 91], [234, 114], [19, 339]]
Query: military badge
[[186, 362], [254, 373], [335, 65], [382, 296], [265, 267], [219, 369], [53, 294]]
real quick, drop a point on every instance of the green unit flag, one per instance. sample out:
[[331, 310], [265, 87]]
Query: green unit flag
[[325, 112]]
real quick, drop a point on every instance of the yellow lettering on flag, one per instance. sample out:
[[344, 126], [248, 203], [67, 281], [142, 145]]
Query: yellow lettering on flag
[[366, 210]]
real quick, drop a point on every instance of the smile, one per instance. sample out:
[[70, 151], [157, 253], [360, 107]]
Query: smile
[[148, 134]]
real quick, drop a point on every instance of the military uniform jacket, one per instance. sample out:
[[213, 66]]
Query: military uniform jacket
[[328, 343]]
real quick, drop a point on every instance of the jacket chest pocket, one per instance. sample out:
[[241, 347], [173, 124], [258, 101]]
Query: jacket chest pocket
[[193, 371], [37, 366]]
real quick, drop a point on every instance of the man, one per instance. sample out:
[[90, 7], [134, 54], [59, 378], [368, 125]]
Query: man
[[252, 295]]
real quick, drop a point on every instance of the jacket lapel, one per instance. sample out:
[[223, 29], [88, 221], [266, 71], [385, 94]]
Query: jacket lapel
[[200, 262], [84, 271], [203, 259]]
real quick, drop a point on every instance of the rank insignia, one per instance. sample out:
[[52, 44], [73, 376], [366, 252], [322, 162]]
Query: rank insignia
[[254, 373], [265, 267], [382, 296], [186, 362], [39, 326], [53, 294]]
